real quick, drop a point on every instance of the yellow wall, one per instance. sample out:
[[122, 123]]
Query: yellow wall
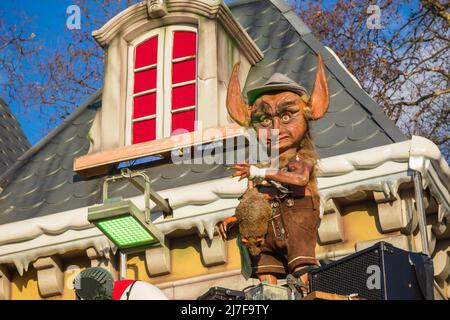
[[186, 261], [358, 220], [24, 287], [359, 224], [72, 267]]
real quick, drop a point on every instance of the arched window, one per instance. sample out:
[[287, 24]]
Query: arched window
[[162, 84], [166, 71]]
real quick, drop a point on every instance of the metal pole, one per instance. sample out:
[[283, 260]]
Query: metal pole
[[123, 266], [418, 188]]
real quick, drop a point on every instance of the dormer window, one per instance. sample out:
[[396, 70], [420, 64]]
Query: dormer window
[[162, 84], [167, 67]]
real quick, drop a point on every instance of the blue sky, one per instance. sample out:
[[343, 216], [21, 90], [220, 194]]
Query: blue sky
[[48, 20]]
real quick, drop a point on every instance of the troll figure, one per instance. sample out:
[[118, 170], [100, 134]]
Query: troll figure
[[278, 215]]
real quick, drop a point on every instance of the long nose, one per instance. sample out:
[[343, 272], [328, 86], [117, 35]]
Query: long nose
[[276, 123]]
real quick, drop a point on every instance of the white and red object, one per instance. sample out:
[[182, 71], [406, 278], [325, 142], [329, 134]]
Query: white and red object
[[136, 290]]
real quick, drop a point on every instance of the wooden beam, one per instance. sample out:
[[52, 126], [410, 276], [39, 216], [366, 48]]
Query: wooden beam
[[90, 164]]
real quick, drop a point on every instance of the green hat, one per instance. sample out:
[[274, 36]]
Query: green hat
[[277, 82]]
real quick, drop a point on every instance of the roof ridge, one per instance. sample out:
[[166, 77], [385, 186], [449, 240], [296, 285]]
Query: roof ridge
[[282, 5], [44, 141]]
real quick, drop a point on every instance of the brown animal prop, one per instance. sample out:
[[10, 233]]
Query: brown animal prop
[[281, 240], [253, 213]]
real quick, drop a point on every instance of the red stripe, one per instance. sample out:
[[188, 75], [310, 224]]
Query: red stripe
[[119, 288]]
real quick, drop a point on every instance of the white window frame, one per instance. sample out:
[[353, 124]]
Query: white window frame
[[163, 81]]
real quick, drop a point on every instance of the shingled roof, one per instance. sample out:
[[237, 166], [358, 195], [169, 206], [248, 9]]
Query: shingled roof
[[354, 121], [13, 142], [42, 182]]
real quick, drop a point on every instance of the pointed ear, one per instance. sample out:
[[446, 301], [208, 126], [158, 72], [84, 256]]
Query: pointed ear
[[238, 110], [320, 97]]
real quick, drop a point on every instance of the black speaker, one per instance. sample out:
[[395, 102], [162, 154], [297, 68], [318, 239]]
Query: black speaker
[[380, 272]]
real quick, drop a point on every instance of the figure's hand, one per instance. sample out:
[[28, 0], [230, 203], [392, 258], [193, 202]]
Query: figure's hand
[[242, 170], [223, 226]]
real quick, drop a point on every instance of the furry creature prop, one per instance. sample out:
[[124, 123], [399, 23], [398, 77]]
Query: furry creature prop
[[253, 214]]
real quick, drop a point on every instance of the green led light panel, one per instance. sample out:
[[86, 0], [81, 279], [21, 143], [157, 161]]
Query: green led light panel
[[125, 232]]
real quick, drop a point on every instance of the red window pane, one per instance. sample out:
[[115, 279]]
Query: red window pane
[[144, 131], [184, 120], [183, 96], [184, 71], [184, 44], [144, 105], [145, 80], [146, 53]]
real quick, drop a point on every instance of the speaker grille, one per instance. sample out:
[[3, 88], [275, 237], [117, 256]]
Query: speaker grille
[[349, 276]]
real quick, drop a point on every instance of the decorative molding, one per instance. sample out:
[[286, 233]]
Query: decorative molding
[[386, 178], [331, 228], [377, 167], [396, 213], [440, 229], [358, 195], [50, 276], [156, 9], [338, 166], [243, 40], [5, 283], [157, 259], [213, 251], [441, 264], [431, 240], [138, 13], [22, 253], [109, 30], [390, 214], [102, 259], [409, 212], [382, 197], [426, 158], [400, 241]]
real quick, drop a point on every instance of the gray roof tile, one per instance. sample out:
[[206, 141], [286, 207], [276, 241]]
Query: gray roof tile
[[13, 142], [291, 49], [42, 182]]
